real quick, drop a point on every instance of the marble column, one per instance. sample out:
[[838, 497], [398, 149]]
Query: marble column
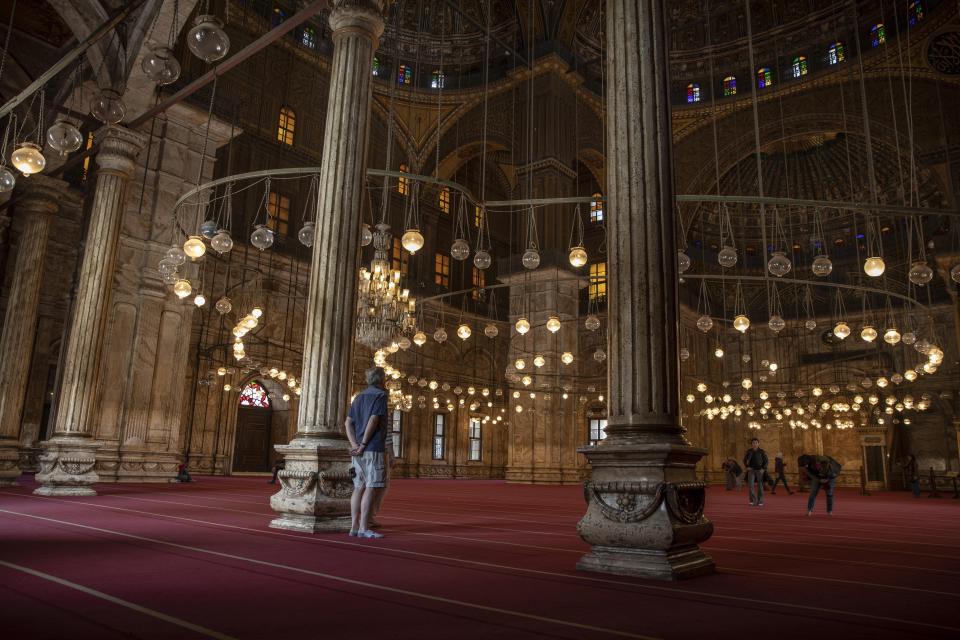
[[37, 206], [68, 458], [645, 505], [315, 488]]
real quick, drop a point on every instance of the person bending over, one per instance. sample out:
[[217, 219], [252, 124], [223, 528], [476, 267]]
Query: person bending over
[[822, 471], [366, 428], [755, 461]]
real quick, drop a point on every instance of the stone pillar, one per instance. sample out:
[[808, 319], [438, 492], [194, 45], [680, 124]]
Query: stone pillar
[[37, 206], [68, 458], [315, 488], [645, 505]]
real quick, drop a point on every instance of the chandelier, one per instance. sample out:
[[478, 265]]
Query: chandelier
[[385, 312]]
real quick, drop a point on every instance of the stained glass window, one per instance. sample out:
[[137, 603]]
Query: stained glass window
[[836, 54], [730, 86], [878, 35], [438, 80], [915, 12], [376, 65], [764, 78], [279, 15], [799, 66], [254, 395], [596, 208], [693, 93], [309, 37], [405, 74]]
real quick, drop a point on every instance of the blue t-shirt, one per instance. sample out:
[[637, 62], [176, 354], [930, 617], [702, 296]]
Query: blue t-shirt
[[372, 401]]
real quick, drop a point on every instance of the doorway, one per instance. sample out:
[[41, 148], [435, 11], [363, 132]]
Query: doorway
[[254, 430]]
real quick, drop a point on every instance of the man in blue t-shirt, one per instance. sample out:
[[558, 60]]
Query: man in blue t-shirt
[[366, 429]]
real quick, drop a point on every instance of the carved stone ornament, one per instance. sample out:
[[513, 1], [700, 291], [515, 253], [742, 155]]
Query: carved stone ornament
[[296, 483], [335, 485], [686, 500], [74, 465], [625, 502]]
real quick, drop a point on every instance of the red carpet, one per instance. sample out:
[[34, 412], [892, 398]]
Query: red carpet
[[462, 559]]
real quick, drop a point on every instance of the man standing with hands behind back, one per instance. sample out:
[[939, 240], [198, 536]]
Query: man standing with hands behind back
[[756, 463], [366, 428]]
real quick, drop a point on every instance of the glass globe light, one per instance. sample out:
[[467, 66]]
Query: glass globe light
[[882, 382], [727, 257], [464, 331], [841, 330], [199, 300], [221, 242], [954, 272], [683, 262], [526, 380], [684, 354], [553, 324], [256, 312], [718, 352], [107, 107], [419, 338], [592, 323], [491, 331], [910, 375], [176, 255], [566, 358], [64, 137], [194, 247], [577, 257], [531, 259], [440, 335], [286, 397], [920, 274], [207, 40], [166, 267], [868, 334], [366, 236], [7, 180], [741, 323], [908, 338], [262, 237], [539, 361], [28, 159], [779, 265], [704, 323], [522, 326], [599, 355], [460, 250], [227, 387], [223, 306], [891, 336], [169, 278], [822, 266], [896, 378], [922, 345], [307, 233], [482, 260], [208, 229], [520, 364], [929, 367], [412, 240], [182, 288], [746, 383], [874, 267], [161, 66], [810, 324], [776, 323]]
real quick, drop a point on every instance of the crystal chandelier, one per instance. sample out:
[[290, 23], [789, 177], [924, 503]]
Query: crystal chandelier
[[385, 312]]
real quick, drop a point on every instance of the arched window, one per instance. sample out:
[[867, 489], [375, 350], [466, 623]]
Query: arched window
[[403, 184], [405, 74], [764, 78], [596, 208], [878, 35], [443, 201], [730, 86], [915, 12], [799, 66], [438, 80], [286, 124], [254, 395], [836, 54], [309, 37], [693, 93], [376, 65]]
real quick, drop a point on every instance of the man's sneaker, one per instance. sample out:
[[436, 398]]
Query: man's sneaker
[[352, 533], [760, 505], [369, 534]]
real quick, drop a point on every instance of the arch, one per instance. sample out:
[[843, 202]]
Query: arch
[[730, 86], [764, 78]]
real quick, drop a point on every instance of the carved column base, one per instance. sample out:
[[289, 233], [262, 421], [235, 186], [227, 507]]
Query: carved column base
[[67, 467], [9, 462], [315, 487], [645, 512]]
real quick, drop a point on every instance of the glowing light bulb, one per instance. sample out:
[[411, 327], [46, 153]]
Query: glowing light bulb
[[553, 324], [874, 267], [741, 323], [522, 326]]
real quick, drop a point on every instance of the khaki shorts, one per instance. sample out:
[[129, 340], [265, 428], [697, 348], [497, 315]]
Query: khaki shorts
[[371, 470]]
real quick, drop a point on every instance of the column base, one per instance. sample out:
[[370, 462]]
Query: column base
[[9, 462], [67, 467], [315, 486], [645, 512]]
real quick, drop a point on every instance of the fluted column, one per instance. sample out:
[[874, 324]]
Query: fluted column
[[68, 458], [315, 487], [645, 505], [37, 207]]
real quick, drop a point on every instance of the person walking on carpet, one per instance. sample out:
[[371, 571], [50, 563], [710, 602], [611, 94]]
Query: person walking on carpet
[[912, 470], [780, 468], [822, 471], [755, 460], [366, 427]]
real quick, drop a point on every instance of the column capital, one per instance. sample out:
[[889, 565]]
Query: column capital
[[40, 194], [118, 148], [358, 16]]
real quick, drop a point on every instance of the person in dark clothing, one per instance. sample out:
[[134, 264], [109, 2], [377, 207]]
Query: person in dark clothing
[[278, 466], [822, 471], [912, 471], [183, 475], [780, 468], [731, 473], [756, 462]]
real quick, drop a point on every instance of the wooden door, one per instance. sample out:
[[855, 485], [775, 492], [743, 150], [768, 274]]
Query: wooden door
[[252, 451]]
